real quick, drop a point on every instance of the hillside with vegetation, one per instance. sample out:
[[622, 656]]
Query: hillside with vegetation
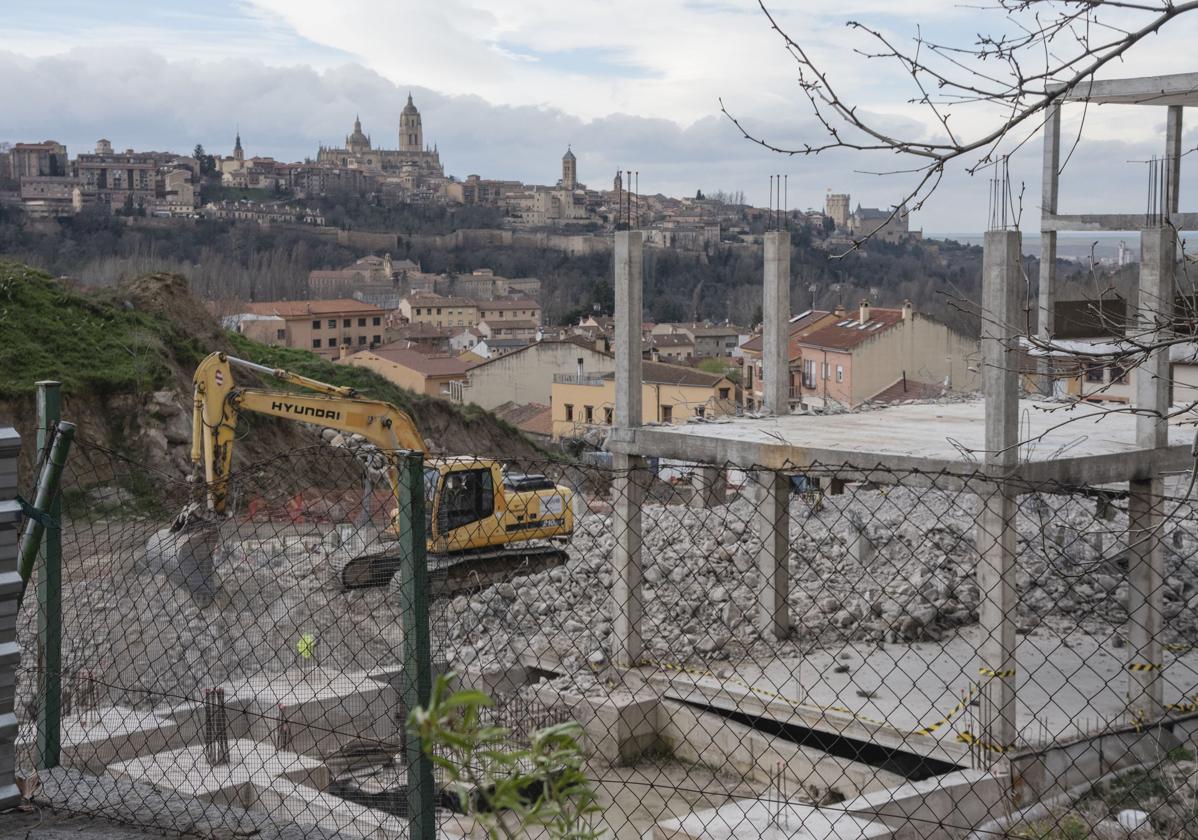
[[243, 261], [125, 355]]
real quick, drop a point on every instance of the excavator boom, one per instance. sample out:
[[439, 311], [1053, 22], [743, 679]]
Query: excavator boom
[[219, 403], [477, 516]]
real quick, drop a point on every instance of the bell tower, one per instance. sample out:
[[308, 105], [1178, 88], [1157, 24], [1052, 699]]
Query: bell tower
[[411, 135]]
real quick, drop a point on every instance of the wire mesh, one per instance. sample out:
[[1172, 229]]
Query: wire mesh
[[747, 650]]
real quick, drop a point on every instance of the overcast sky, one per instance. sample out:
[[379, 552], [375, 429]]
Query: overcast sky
[[505, 85]]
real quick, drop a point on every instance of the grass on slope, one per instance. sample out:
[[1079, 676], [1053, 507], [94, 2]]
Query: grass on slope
[[49, 331]]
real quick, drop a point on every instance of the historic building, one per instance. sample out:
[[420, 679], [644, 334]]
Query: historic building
[[413, 163]]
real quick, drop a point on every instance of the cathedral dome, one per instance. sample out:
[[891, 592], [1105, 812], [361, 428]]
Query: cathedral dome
[[410, 108], [358, 138]]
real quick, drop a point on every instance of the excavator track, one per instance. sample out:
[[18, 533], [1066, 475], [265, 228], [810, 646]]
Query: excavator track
[[449, 574]]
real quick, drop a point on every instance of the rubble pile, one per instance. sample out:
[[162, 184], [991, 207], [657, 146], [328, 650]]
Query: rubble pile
[[912, 579]]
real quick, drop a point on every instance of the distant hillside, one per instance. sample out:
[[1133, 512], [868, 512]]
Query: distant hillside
[[125, 356]]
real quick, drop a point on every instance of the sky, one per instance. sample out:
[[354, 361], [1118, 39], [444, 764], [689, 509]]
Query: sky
[[504, 86]]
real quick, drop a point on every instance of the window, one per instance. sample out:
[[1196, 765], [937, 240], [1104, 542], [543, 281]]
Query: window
[[725, 393], [417, 310], [280, 334], [361, 322], [346, 322], [438, 310], [1118, 373], [1094, 373], [589, 413], [808, 373], [316, 325], [700, 410], [840, 373], [607, 416], [569, 412], [361, 339], [667, 414], [375, 339], [332, 323], [376, 321], [316, 342], [825, 371], [466, 496]]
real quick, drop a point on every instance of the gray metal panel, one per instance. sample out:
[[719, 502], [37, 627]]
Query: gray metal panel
[[10, 512], [10, 442]]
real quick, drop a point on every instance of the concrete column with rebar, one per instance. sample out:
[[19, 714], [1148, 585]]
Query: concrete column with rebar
[[1050, 189], [996, 535], [710, 485], [771, 494], [1145, 514], [775, 333], [631, 479], [10, 590]]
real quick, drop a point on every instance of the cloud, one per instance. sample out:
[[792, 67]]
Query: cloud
[[137, 98]]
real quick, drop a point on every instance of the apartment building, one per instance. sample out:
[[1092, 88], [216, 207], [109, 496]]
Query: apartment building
[[436, 375], [669, 394], [321, 326]]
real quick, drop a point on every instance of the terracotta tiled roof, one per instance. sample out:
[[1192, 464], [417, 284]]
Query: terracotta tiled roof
[[422, 363], [797, 325], [533, 418], [301, 308], [660, 373], [849, 332]]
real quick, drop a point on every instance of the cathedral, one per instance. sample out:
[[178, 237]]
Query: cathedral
[[412, 161]]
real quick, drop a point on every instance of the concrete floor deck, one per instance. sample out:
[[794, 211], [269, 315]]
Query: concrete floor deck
[[1073, 443], [1069, 686]]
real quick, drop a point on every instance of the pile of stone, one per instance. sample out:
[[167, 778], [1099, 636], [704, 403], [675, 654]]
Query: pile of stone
[[896, 566]]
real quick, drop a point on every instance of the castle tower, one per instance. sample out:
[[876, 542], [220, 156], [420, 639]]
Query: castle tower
[[836, 207], [569, 170], [411, 135]]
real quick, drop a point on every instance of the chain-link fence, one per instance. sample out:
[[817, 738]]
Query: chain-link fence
[[748, 652]]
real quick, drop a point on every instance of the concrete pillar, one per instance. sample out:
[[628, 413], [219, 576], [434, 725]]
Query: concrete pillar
[[628, 489], [1154, 317], [1049, 190], [775, 335], [1173, 160], [996, 535], [629, 314], [630, 479], [1145, 517], [772, 495], [710, 485]]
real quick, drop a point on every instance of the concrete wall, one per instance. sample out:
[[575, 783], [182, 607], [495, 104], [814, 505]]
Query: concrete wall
[[527, 375]]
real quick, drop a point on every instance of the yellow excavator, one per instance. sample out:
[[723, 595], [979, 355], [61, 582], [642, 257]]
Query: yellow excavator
[[483, 522]]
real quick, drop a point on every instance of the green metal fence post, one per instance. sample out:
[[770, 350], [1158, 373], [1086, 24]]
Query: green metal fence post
[[417, 655], [49, 595]]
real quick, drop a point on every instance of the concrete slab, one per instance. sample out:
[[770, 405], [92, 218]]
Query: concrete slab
[[926, 436], [770, 821], [1067, 686], [324, 709], [114, 734], [186, 771], [284, 798]]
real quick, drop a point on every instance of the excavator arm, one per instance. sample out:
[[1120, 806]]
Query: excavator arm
[[218, 404]]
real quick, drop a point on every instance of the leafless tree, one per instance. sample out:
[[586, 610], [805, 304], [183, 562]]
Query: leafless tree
[[1031, 54]]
